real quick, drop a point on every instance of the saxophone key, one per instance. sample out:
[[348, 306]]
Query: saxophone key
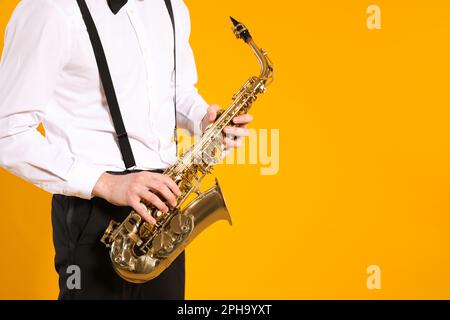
[[163, 243], [181, 224]]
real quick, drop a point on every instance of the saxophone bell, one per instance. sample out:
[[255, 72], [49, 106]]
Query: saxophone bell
[[199, 214]]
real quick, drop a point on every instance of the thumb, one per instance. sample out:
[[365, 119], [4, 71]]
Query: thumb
[[212, 112]]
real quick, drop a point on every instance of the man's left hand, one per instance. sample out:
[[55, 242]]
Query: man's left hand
[[234, 132]]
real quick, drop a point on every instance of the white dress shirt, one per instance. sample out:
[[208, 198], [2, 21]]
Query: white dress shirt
[[48, 75]]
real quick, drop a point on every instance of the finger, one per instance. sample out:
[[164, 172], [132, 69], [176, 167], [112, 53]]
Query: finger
[[212, 112], [142, 210], [171, 184], [236, 131], [243, 119], [231, 143], [153, 199], [151, 177], [161, 189]]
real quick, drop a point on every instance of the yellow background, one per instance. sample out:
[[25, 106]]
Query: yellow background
[[364, 158]]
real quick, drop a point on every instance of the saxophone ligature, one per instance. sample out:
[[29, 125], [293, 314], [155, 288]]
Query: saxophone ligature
[[140, 251]]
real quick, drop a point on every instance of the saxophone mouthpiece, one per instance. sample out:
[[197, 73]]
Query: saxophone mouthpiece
[[240, 31], [234, 21]]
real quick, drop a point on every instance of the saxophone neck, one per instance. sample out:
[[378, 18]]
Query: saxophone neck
[[266, 66]]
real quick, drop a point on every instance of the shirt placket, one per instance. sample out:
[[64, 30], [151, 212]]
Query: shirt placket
[[144, 47]]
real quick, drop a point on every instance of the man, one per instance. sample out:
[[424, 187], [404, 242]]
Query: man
[[49, 75]]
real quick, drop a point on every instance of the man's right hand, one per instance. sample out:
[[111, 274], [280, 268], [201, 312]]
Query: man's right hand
[[135, 188]]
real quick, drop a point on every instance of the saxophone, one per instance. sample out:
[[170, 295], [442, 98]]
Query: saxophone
[[140, 251]]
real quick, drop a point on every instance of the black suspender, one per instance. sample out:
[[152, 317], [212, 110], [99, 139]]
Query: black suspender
[[108, 87], [175, 133]]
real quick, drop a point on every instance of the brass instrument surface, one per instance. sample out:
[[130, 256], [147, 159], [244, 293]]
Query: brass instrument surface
[[139, 251]]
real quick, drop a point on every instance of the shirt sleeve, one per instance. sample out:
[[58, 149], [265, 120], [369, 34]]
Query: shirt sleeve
[[191, 107], [36, 49]]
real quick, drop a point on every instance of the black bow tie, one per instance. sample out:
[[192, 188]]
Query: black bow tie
[[116, 5]]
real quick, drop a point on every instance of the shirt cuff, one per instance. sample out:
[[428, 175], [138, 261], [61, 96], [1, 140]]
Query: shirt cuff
[[82, 179]]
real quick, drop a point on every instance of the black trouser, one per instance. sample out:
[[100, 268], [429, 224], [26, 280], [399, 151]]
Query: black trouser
[[78, 225]]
